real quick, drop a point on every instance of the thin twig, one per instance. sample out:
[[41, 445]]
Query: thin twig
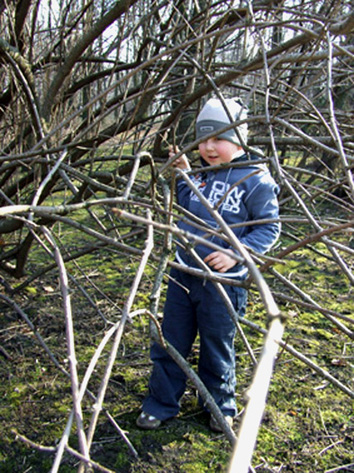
[[70, 345], [118, 335]]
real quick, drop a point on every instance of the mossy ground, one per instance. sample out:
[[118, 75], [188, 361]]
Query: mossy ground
[[308, 422]]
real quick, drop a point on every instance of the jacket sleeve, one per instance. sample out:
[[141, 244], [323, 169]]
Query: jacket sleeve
[[183, 193], [262, 204]]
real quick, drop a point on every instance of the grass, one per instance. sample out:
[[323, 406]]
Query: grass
[[307, 425]]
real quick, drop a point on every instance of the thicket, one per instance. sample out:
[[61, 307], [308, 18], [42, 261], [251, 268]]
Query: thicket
[[92, 96]]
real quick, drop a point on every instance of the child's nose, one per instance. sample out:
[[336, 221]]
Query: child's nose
[[209, 144]]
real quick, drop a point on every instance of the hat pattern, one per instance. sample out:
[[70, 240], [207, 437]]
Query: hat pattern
[[214, 117]]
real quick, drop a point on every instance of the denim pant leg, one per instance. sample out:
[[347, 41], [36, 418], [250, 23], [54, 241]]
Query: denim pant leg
[[217, 364], [167, 381]]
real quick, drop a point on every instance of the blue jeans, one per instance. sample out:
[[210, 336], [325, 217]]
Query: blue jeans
[[187, 312]]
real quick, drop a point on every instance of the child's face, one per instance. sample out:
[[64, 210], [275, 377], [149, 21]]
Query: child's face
[[218, 151]]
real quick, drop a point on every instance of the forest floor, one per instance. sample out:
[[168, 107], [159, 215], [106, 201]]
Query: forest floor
[[308, 423]]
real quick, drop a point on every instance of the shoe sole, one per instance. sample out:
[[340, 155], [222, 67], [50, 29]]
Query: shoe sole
[[214, 426]]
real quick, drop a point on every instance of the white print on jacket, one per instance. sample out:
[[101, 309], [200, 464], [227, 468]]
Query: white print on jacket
[[219, 189]]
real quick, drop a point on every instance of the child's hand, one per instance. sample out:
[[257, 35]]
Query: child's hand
[[181, 162], [220, 261]]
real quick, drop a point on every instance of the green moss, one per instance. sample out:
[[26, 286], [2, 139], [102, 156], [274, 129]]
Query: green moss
[[307, 425]]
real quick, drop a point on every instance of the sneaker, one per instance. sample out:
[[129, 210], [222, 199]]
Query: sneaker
[[214, 424], [147, 421]]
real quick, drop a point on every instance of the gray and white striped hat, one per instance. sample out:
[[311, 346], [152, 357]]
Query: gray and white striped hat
[[213, 117]]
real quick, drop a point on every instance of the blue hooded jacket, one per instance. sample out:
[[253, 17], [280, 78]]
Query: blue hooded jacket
[[253, 198]]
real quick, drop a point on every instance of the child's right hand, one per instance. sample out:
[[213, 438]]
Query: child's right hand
[[182, 162], [220, 261]]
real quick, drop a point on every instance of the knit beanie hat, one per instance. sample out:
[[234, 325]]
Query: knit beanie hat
[[213, 117]]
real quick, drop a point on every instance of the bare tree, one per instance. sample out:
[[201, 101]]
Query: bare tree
[[93, 94]]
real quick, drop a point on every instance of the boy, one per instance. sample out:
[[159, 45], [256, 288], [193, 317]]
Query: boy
[[193, 304]]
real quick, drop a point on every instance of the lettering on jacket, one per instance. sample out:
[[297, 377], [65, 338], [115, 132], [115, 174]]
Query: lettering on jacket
[[232, 201]]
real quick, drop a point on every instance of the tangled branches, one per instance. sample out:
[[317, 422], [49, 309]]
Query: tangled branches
[[87, 113]]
